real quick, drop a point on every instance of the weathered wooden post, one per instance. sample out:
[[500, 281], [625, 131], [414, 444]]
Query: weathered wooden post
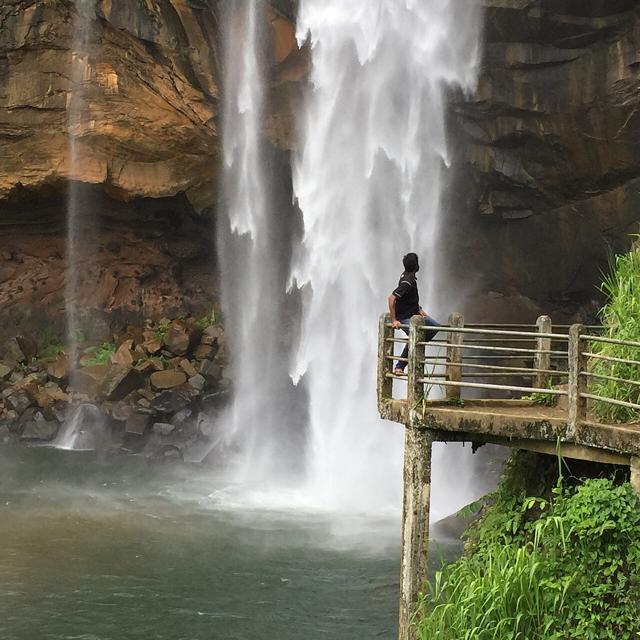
[[415, 370], [577, 384], [385, 364], [635, 474], [542, 360], [454, 355], [415, 524]]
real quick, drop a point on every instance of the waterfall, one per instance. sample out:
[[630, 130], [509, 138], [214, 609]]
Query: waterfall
[[254, 246], [77, 203], [368, 178], [79, 222]]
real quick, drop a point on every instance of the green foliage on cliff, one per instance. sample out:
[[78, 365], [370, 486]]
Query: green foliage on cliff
[[621, 318], [98, 355], [566, 566]]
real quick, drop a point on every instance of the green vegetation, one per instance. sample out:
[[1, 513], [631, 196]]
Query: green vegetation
[[206, 321], [50, 344], [162, 329], [543, 399], [98, 355], [555, 567], [621, 318]]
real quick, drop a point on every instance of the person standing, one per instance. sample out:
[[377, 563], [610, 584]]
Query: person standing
[[404, 303]]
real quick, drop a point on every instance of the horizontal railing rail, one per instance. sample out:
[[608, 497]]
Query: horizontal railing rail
[[506, 362]]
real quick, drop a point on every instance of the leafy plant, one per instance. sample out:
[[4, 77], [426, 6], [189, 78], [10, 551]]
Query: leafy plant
[[556, 567], [161, 331], [98, 355], [206, 321], [543, 399], [50, 344], [621, 318]]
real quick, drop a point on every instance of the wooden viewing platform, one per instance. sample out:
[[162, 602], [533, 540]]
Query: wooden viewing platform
[[470, 384]]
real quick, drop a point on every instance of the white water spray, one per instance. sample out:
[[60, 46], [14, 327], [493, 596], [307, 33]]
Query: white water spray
[[254, 247], [368, 179]]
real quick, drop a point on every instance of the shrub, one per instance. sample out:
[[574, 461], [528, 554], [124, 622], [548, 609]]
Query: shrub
[[544, 569], [621, 318], [98, 355]]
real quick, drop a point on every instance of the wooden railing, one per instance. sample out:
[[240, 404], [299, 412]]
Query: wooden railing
[[498, 362]]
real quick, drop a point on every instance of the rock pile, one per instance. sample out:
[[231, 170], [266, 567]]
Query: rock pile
[[159, 387]]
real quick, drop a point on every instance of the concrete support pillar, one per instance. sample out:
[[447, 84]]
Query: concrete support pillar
[[543, 360], [454, 356], [635, 474], [577, 383], [385, 364], [415, 523]]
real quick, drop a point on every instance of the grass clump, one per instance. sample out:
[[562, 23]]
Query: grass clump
[[621, 319], [558, 567], [50, 344], [543, 399], [98, 355]]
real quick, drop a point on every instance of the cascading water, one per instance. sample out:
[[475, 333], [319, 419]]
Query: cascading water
[[368, 179], [76, 110], [78, 235], [254, 245]]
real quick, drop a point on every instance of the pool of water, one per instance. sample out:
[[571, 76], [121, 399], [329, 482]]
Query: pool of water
[[112, 548]]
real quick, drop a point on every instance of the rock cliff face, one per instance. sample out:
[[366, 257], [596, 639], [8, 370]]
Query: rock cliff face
[[547, 161], [148, 74], [549, 154]]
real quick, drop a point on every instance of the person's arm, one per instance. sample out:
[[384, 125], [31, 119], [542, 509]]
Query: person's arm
[[423, 313], [392, 311]]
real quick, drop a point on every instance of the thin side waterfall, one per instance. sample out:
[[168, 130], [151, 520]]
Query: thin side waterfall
[[79, 422], [368, 178], [254, 246], [76, 202]]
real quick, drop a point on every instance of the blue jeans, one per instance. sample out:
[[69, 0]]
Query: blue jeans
[[427, 321]]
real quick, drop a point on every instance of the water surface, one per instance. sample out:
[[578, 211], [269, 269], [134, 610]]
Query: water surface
[[111, 548]]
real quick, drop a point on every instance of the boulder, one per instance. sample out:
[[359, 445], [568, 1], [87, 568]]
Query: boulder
[[123, 355], [177, 340], [58, 369], [180, 418], [28, 346], [168, 379], [137, 423], [188, 368], [162, 429], [197, 382], [203, 351], [12, 353], [44, 430], [148, 367], [19, 401], [211, 371], [152, 346], [211, 335], [50, 394], [5, 371], [87, 380], [170, 401], [120, 382]]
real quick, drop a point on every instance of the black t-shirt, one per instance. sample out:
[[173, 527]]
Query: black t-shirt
[[407, 299]]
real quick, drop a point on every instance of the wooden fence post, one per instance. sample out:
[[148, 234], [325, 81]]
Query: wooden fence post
[[415, 369], [543, 360], [454, 355], [577, 383], [385, 365], [415, 524]]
